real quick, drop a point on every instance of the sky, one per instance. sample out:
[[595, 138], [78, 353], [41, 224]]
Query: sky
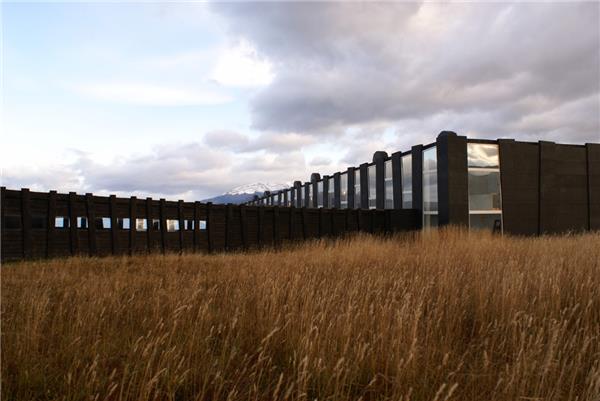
[[188, 100]]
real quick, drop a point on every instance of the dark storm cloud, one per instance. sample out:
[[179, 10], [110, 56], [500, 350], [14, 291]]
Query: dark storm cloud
[[489, 69]]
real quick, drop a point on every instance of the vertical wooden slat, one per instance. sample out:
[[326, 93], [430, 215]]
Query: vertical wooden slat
[[181, 227], [227, 225], [26, 222], [291, 225], [51, 244], [243, 226], [149, 228], [209, 227], [91, 214], [261, 224], [196, 225], [73, 237], [163, 225], [276, 230], [304, 221], [2, 216], [114, 239], [132, 223]]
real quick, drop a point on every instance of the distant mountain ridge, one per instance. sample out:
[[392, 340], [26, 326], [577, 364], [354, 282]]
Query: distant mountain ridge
[[245, 193]]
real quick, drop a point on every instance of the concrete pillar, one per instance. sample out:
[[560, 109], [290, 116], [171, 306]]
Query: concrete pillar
[[397, 179], [453, 179], [417, 179], [379, 159]]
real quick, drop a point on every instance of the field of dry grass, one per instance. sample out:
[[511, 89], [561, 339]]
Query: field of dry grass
[[444, 315]]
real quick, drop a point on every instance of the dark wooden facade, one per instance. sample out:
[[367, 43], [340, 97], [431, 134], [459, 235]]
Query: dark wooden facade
[[29, 227]]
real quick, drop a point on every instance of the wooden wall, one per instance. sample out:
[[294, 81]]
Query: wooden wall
[[29, 228]]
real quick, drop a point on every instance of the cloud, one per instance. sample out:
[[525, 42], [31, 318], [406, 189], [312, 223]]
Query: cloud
[[149, 94], [241, 66], [266, 141], [489, 69]]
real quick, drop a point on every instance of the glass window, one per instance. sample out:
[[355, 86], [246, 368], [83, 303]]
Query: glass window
[[344, 190], [61, 222], [310, 195], [102, 223], [82, 222], [482, 155], [485, 200], [300, 197], [357, 188], [172, 225], [155, 224], [320, 193], [123, 223], [202, 224], [331, 192], [430, 195], [407, 182], [372, 191], [141, 224], [388, 184]]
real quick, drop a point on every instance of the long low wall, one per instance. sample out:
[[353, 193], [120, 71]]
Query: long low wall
[[42, 225]]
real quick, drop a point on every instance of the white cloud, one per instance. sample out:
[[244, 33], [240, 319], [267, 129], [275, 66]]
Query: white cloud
[[242, 66], [150, 94]]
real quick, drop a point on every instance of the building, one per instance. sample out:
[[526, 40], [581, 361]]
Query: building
[[503, 185]]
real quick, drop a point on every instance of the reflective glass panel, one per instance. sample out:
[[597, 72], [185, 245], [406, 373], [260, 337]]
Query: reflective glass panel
[[484, 190], [141, 224], [344, 190], [310, 195], [430, 196], [357, 189], [407, 182], [491, 222], [330, 192], [389, 184], [372, 175], [482, 155], [320, 194]]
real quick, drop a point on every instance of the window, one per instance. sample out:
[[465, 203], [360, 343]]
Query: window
[[310, 195], [188, 225], [407, 182], [357, 188], [331, 192], [61, 222], [388, 184], [372, 191], [202, 224], [155, 224], [172, 225], [82, 222], [485, 201], [102, 223], [320, 193], [12, 222], [430, 194], [141, 224], [124, 223], [344, 190]]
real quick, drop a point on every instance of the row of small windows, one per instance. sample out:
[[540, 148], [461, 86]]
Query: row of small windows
[[104, 223]]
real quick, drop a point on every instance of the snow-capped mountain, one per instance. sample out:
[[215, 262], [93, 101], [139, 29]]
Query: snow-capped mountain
[[245, 193], [258, 188]]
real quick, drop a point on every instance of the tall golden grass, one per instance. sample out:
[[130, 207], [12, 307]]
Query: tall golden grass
[[437, 316]]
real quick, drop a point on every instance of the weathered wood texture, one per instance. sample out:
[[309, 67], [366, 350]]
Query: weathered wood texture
[[44, 225]]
